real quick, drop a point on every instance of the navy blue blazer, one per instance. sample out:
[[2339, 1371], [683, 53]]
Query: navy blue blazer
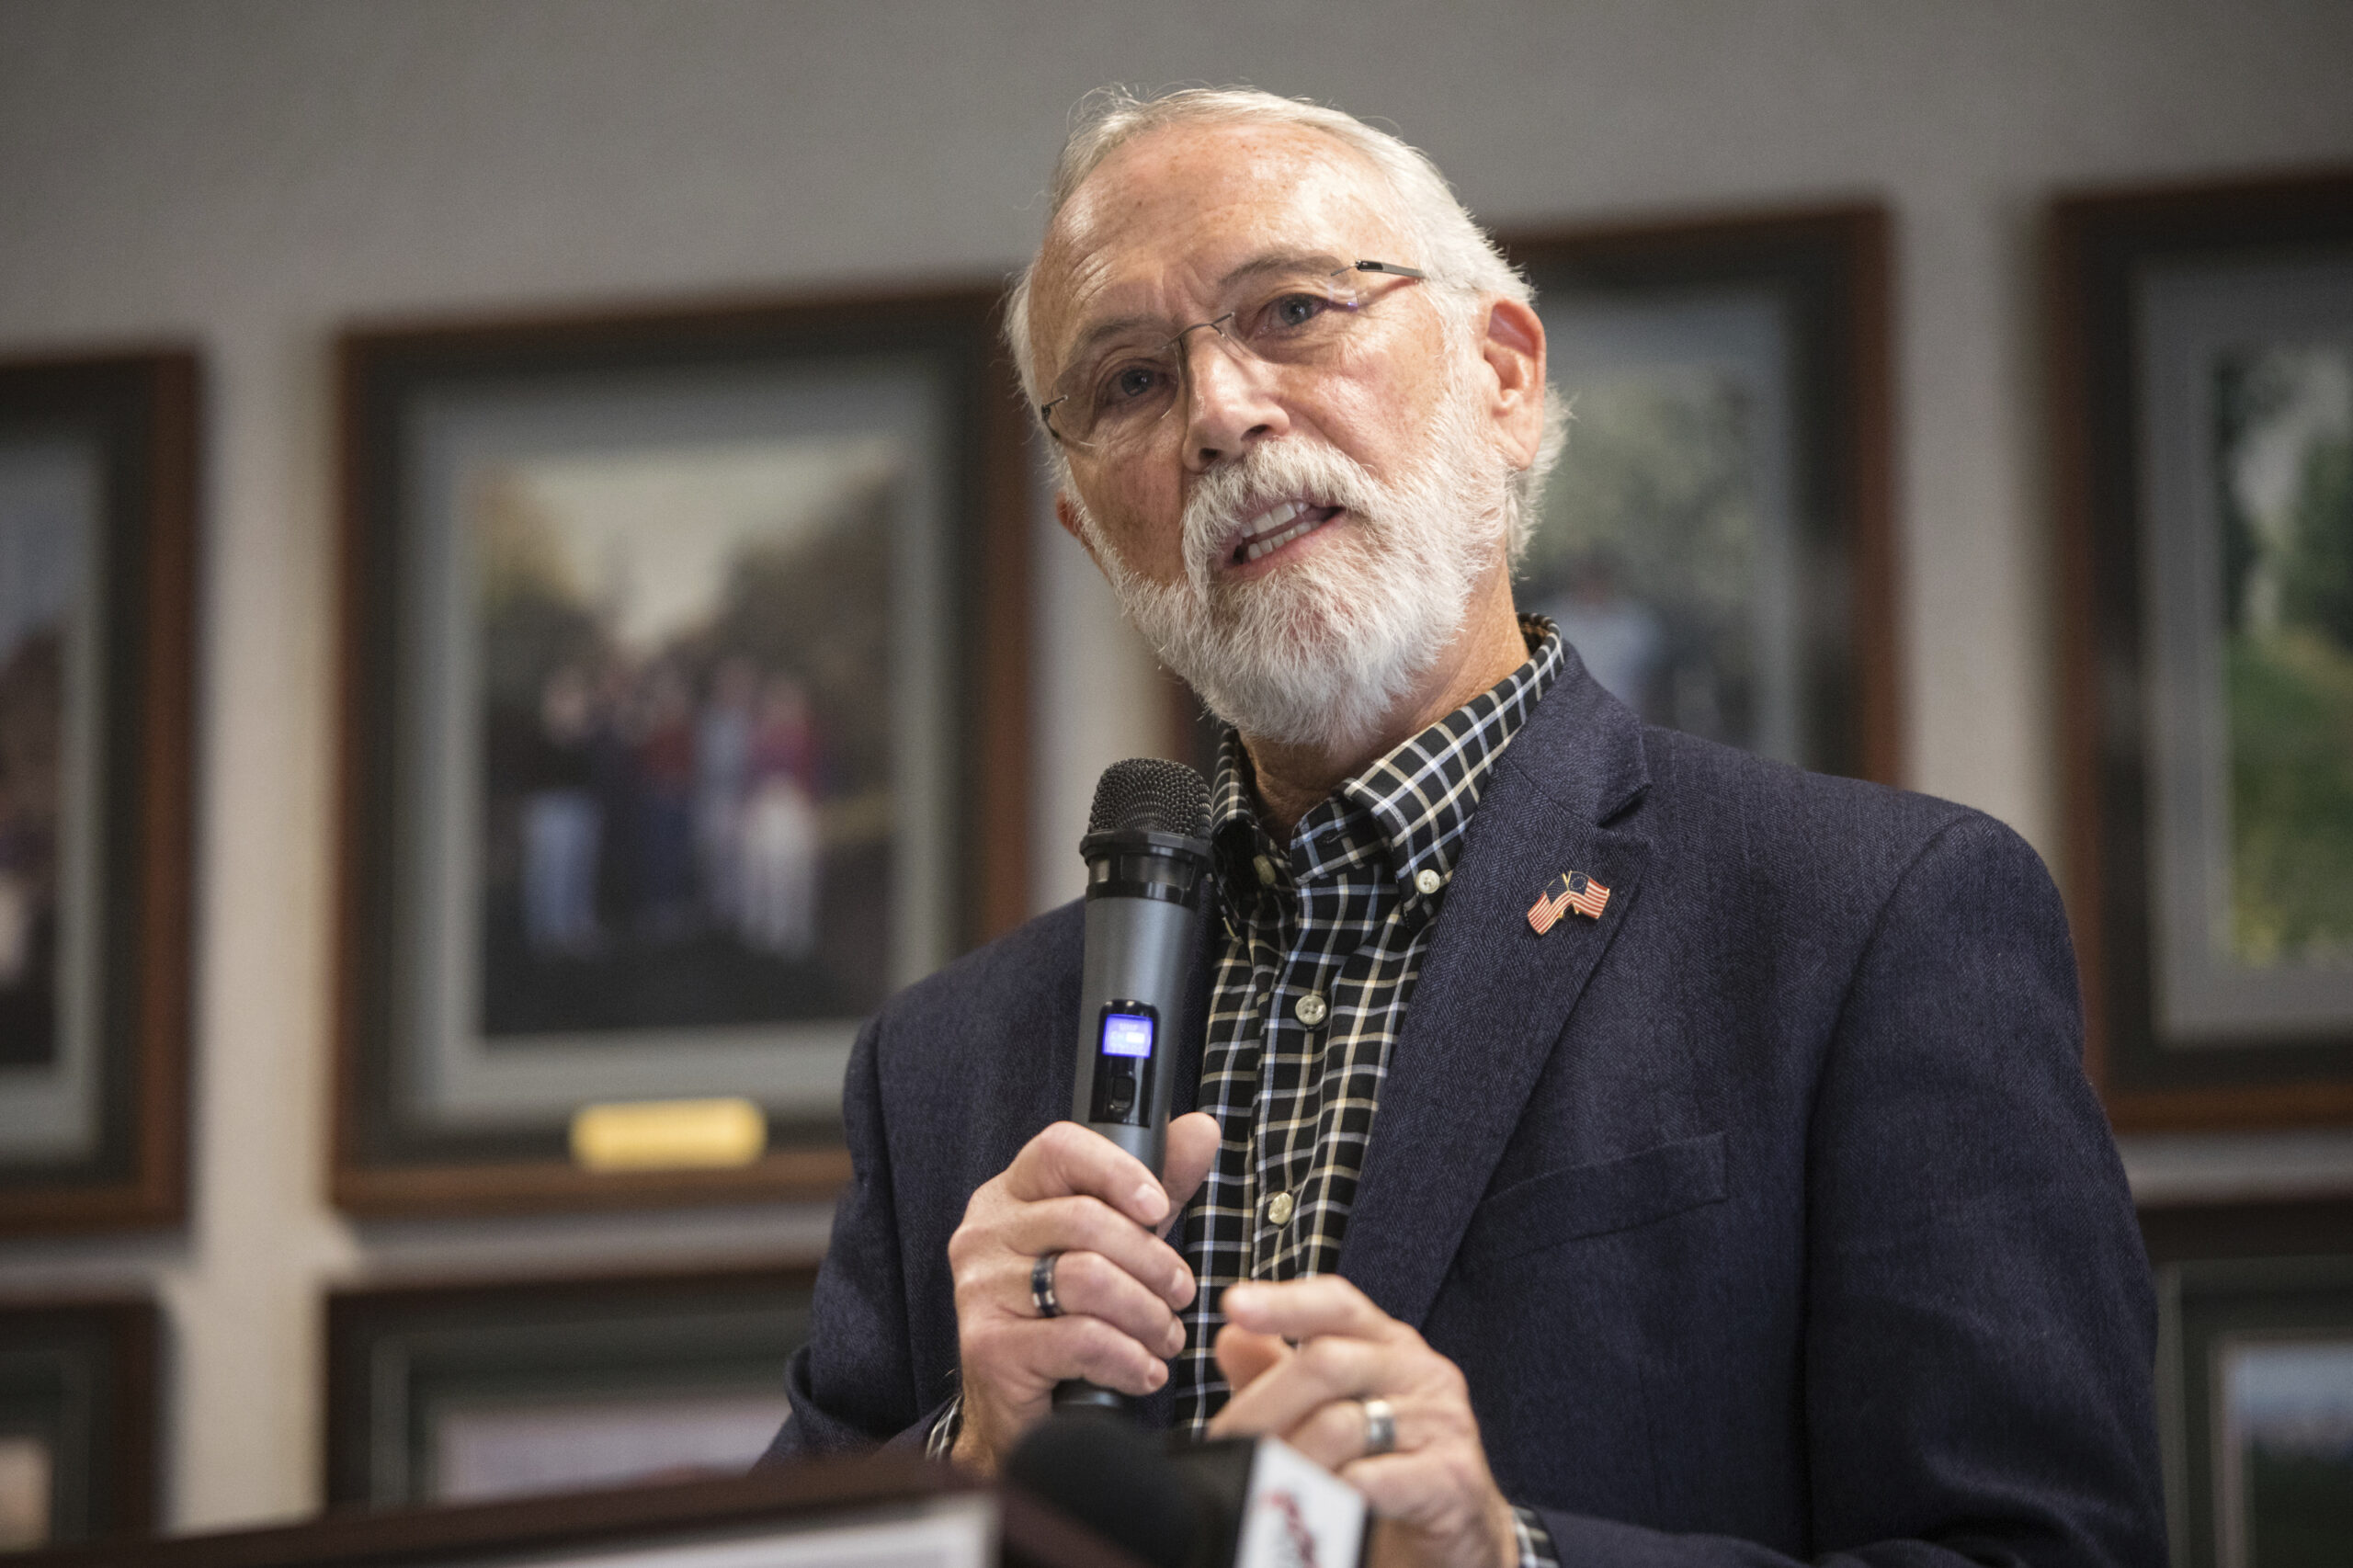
[[1769, 1217]]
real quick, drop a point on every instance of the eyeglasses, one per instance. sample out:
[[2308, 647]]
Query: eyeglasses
[[1116, 396]]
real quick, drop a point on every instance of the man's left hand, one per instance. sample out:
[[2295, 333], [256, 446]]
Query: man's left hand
[[1433, 1496]]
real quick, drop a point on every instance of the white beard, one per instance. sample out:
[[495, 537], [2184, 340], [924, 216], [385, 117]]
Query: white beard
[[1321, 651]]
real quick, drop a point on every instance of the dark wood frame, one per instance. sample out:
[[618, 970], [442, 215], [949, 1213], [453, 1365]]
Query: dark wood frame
[[361, 1320], [1030, 1535], [2201, 1301], [375, 365], [2097, 245], [143, 409], [1831, 265], [110, 1347], [2201, 1233]]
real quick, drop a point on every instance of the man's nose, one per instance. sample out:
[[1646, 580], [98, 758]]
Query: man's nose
[[1229, 400]]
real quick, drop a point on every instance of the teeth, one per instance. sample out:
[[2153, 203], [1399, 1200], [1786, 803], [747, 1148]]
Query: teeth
[[1275, 527], [1260, 547], [1278, 517]]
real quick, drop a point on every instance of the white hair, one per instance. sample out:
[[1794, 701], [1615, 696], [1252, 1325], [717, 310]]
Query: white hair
[[1450, 245]]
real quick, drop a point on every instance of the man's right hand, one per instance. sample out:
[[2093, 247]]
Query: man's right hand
[[1118, 1282]]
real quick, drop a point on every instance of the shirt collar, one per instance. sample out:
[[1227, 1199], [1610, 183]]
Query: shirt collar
[[1408, 809]]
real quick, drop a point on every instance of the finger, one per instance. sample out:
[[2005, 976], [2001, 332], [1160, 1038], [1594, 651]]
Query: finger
[[1042, 1352], [1443, 1493], [1318, 1372], [1304, 1308], [1193, 1141], [1087, 1284], [1066, 1158], [1334, 1435], [1243, 1356], [1086, 1224]]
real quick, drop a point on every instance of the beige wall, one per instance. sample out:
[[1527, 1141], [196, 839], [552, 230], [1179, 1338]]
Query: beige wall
[[252, 175]]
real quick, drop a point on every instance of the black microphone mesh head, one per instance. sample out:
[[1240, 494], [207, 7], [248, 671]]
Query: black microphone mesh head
[[1153, 794]]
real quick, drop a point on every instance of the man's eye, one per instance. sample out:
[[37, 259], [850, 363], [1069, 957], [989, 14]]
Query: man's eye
[[1127, 384], [1289, 312]]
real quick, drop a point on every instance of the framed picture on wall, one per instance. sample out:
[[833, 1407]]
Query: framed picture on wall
[[77, 1421], [97, 539], [2205, 382], [2257, 1403], [1717, 541], [684, 716], [472, 1392]]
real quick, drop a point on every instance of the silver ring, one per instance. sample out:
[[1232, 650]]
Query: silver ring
[[1041, 1286], [1379, 1427]]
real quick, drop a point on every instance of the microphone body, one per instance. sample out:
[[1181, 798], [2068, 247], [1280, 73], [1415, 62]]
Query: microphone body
[[1144, 918], [1147, 873]]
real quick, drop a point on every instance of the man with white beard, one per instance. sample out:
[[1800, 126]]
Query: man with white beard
[[1739, 1199]]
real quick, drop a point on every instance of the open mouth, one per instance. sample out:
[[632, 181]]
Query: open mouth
[[1277, 527]]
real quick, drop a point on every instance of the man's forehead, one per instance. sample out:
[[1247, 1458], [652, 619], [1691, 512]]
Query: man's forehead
[[1189, 206]]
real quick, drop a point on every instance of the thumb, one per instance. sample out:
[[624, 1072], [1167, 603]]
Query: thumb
[[1193, 1139], [1243, 1354]]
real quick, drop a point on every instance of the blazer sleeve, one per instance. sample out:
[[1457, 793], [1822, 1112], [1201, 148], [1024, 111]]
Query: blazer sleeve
[[1979, 1329], [853, 1384]]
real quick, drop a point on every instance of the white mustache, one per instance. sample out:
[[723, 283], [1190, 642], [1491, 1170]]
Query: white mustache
[[1233, 493]]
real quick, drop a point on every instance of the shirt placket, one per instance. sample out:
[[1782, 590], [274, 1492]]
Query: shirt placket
[[1293, 1107]]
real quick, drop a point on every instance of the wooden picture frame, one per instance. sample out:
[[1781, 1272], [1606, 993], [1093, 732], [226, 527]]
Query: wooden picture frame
[[1746, 358], [2189, 327], [97, 563], [77, 1421], [738, 511], [470, 1393], [2255, 1405]]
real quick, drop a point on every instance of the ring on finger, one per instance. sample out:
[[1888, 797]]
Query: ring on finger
[[1379, 1427], [1041, 1286]]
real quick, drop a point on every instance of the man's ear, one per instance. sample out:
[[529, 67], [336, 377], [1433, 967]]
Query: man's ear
[[1513, 347], [1067, 515]]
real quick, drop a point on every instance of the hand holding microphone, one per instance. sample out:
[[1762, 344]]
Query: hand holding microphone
[[1063, 1275], [1117, 1282]]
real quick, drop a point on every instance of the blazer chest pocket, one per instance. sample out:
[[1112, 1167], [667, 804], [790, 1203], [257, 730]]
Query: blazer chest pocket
[[1595, 1200]]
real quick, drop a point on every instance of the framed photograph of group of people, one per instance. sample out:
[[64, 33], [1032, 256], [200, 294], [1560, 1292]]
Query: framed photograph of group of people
[[684, 692], [97, 538], [2204, 372]]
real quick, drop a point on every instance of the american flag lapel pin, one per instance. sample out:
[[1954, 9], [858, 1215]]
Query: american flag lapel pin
[[1570, 889]]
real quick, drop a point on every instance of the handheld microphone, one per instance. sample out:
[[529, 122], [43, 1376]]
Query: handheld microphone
[[1147, 871], [1147, 863]]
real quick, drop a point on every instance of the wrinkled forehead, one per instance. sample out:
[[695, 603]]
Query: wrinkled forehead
[[1158, 228]]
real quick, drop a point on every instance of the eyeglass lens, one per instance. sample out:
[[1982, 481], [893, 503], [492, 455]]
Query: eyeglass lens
[[1121, 391]]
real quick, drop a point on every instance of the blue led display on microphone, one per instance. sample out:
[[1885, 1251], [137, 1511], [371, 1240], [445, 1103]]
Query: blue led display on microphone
[[1127, 1034]]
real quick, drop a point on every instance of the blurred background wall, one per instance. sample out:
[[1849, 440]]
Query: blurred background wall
[[252, 176]]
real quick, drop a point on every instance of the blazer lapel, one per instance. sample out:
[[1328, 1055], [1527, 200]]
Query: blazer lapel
[[1493, 994]]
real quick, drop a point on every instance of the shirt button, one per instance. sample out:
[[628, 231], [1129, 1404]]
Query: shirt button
[[1279, 1208], [1429, 881], [1265, 871], [1311, 1010]]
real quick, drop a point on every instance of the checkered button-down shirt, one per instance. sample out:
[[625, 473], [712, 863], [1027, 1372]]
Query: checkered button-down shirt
[[1323, 941]]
